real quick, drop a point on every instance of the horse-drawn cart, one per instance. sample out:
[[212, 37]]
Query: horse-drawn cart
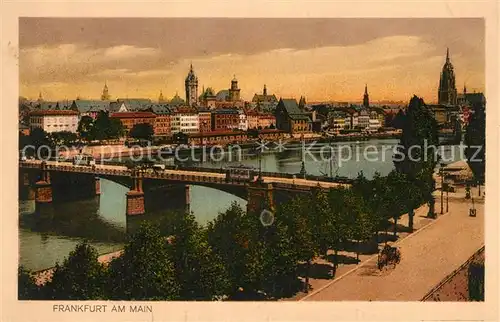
[[388, 255]]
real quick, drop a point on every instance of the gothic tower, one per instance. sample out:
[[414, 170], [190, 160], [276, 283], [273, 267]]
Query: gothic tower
[[264, 92], [161, 99], [105, 93], [234, 91], [191, 88], [366, 98], [40, 98], [447, 90]]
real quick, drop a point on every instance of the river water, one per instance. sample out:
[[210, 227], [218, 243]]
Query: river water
[[49, 235]]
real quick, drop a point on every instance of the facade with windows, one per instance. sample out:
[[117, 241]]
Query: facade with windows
[[54, 120], [185, 120]]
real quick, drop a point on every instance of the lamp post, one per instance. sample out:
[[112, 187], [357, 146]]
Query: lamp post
[[204, 123], [442, 186], [260, 159]]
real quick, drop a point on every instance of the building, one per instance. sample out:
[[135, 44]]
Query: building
[[447, 94], [133, 104], [366, 98], [90, 107], [225, 119], [374, 122], [471, 99], [381, 114], [218, 137], [440, 113], [290, 118], [243, 125], [54, 120], [363, 120], [105, 93], [161, 99], [130, 119], [177, 101], [205, 120], [265, 102], [234, 91], [266, 121], [163, 120], [191, 85], [252, 119], [338, 120], [207, 98], [229, 98], [185, 120]]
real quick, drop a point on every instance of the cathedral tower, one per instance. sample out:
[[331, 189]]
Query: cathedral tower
[[366, 98], [234, 91], [447, 94], [105, 93], [191, 88]]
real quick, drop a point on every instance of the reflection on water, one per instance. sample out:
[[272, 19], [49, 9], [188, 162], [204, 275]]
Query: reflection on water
[[48, 236]]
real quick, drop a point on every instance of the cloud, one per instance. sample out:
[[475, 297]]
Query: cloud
[[394, 67]]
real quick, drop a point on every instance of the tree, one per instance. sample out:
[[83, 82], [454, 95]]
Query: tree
[[26, 286], [338, 221], [198, 268], [398, 121], [475, 141], [362, 223], [85, 128], [80, 277], [296, 215], [66, 138], [116, 129], [416, 153], [145, 270], [227, 239], [39, 139], [142, 131]]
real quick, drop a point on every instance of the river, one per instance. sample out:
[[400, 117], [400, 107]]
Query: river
[[48, 236]]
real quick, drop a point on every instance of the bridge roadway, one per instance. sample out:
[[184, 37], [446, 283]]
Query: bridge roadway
[[177, 175]]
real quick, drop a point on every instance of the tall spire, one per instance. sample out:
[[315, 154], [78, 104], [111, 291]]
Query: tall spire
[[366, 99], [264, 92], [465, 89], [447, 54]]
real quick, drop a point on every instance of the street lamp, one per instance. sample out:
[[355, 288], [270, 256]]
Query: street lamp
[[442, 185], [260, 159], [204, 123]]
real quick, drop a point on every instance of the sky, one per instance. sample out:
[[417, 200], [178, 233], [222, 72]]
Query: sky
[[328, 59]]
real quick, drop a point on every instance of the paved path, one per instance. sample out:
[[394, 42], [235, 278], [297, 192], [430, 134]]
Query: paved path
[[428, 256]]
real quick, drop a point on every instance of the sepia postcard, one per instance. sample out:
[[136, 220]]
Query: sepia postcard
[[226, 161]]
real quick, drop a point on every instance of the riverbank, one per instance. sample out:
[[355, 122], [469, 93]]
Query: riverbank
[[45, 275]]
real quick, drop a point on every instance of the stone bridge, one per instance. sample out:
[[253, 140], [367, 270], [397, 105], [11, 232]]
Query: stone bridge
[[62, 180]]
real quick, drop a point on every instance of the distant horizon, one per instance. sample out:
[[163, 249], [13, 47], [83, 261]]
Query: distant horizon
[[323, 60]]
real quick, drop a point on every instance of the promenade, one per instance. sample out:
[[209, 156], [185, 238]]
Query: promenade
[[432, 252]]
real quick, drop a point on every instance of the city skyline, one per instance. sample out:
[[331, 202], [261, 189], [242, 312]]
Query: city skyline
[[321, 59]]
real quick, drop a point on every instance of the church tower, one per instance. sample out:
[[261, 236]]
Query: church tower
[[160, 98], [234, 91], [366, 98], [447, 94], [105, 93], [191, 88], [40, 98]]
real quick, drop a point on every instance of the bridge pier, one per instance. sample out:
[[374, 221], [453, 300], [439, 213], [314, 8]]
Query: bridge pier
[[135, 198], [260, 197], [187, 192]]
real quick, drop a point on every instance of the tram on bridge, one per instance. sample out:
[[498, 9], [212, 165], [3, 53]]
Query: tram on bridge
[[241, 173]]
